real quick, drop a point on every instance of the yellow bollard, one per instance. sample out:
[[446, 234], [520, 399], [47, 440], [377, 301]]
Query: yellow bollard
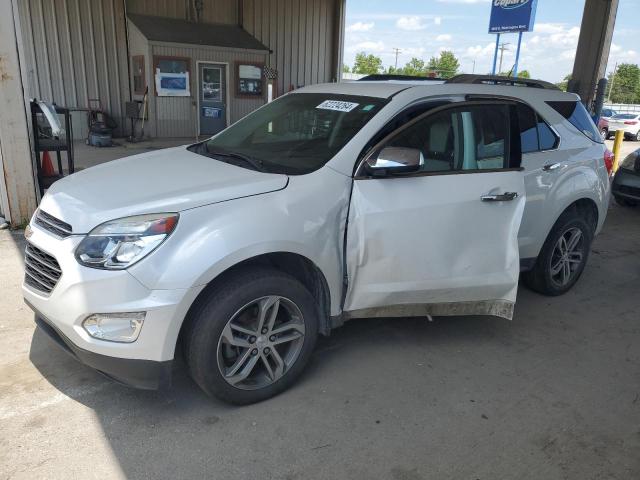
[[617, 149]]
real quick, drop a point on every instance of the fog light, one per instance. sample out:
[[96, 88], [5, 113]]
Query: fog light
[[115, 327]]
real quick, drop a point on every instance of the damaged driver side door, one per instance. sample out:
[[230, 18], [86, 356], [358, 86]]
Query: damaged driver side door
[[434, 216]]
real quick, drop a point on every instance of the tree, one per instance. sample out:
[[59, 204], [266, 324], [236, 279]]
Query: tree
[[367, 64], [445, 66], [522, 74], [625, 84], [415, 68], [564, 84], [345, 68]]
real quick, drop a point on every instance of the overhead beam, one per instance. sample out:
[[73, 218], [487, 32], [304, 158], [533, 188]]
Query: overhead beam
[[594, 45]]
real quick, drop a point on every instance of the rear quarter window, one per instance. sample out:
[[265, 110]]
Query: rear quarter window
[[578, 116]]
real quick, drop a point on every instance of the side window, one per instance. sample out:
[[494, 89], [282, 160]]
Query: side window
[[475, 137], [528, 129], [548, 139], [438, 139], [491, 132], [578, 117]]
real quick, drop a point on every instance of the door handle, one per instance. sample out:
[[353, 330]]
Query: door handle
[[551, 167], [503, 197]]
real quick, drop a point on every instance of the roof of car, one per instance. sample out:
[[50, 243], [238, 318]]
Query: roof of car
[[389, 88]]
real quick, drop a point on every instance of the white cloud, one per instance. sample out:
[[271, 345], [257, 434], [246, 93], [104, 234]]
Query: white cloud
[[412, 23], [437, 21], [368, 46], [549, 28], [444, 38], [360, 27]]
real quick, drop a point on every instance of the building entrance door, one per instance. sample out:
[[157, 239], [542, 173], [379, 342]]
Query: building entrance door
[[212, 93]]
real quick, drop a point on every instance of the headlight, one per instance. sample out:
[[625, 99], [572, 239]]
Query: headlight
[[118, 244], [629, 163]]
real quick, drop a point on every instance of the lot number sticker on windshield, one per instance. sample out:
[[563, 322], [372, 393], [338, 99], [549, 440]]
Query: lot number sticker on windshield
[[337, 105]]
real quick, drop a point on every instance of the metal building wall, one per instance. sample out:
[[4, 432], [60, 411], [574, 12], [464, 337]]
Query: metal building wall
[[303, 35], [214, 11], [75, 51]]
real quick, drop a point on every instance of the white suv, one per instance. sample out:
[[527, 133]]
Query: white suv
[[337, 201]]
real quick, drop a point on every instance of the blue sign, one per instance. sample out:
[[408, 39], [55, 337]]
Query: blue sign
[[512, 16]]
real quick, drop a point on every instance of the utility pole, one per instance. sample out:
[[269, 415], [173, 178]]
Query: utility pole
[[503, 47], [397, 51], [613, 80]]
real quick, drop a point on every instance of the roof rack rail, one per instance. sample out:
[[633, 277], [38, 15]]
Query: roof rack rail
[[499, 80], [382, 77]]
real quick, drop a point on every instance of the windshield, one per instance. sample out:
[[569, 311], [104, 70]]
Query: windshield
[[296, 134], [624, 116]]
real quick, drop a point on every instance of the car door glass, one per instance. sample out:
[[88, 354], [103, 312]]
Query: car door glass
[[437, 137], [491, 129], [548, 139], [528, 129]]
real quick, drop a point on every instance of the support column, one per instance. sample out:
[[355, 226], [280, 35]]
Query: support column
[[19, 187], [598, 21]]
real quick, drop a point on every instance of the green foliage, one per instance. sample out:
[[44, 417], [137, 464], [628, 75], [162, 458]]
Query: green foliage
[[345, 68], [445, 66], [522, 74], [415, 67], [624, 85], [367, 64], [564, 84]]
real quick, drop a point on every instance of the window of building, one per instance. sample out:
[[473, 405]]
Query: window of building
[[172, 75], [139, 80]]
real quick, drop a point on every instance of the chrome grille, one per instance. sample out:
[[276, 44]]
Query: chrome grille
[[53, 225], [41, 270]]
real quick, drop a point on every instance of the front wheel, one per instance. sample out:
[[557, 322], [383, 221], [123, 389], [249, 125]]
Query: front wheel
[[251, 338], [563, 256], [637, 136]]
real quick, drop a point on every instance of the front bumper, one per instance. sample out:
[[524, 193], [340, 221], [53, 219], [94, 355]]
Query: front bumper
[[144, 374], [626, 184], [81, 292]]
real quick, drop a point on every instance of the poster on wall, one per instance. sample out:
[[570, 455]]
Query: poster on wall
[[172, 84], [249, 80]]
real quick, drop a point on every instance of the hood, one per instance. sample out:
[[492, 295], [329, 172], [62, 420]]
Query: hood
[[169, 180]]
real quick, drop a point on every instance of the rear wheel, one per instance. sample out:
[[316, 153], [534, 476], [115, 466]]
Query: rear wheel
[[251, 338], [637, 137], [563, 256]]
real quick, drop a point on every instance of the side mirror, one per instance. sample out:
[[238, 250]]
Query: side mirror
[[392, 160]]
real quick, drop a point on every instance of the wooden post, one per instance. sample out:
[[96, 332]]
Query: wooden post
[[18, 189]]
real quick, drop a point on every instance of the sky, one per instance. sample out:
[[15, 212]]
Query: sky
[[423, 28]]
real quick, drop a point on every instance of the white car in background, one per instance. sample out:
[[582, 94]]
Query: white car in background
[[336, 201], [629, 123]]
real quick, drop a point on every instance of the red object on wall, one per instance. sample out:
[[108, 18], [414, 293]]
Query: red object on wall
[[47, 165]]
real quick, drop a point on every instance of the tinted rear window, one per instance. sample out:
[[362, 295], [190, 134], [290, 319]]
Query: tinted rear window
[[578, 117], [535, 134]]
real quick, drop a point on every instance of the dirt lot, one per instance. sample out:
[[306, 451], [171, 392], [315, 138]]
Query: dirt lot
[[555, 394]]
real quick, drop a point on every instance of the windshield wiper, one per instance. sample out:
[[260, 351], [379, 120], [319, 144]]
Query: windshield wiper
[[254, 162]]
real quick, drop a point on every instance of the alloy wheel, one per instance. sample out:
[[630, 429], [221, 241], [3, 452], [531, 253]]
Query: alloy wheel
[[567, 256], [260, 342]]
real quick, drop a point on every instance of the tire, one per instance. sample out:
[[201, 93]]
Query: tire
[[238, 302], [623, 202], [604, 133], [542, 278], [637, 136]]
